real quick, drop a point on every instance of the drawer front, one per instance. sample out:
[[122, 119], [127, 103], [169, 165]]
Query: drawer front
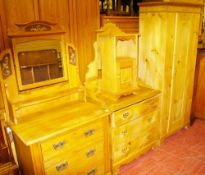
[[134, 111], [131, 130], [94, 168], [71, 141], [88, 160], [124, 149]]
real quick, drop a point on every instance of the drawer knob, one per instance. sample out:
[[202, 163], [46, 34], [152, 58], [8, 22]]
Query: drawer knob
[[124, 132], [62, 166], [89, 132], [90, 152], [125, 115], [92, 172], [59, 145], [124, 150]]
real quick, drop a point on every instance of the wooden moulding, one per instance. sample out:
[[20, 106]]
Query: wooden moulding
[[128, 24], [188, 7], [36, 28], [8, 168], [172, 2]]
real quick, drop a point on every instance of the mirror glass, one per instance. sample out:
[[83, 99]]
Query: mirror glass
[[39, 61]]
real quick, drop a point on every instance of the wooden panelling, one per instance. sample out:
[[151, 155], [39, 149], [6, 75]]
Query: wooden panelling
[[2, 27], [55, 11], [88, 21], [20, 11], [1, 36], [199, 94]]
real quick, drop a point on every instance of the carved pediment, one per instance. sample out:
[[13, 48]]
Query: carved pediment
[[35, 28]]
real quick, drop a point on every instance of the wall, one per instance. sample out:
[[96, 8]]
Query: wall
[[80, 19]]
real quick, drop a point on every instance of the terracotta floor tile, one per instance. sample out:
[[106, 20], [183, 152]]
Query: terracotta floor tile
[[181, 154]]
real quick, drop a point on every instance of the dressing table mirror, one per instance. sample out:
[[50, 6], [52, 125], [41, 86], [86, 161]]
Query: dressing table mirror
[[38, 67]]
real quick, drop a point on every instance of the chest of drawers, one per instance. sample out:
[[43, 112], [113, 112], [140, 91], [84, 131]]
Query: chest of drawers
[[134, 124], [134, 130], [72, 146]]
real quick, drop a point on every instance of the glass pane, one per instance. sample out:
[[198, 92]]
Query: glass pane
[[39, 65]]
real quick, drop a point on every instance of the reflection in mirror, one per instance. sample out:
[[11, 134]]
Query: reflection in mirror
[[39, 61], [40, 65]]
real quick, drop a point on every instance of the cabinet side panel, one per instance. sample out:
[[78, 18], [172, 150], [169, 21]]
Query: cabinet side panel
[[192, 54], [28, 158], [155, 40]]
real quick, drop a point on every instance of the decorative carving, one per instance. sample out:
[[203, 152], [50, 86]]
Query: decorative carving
[[6, 66], [72, 55], [37, 28]]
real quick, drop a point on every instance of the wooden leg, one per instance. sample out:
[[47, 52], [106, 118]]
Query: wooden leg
[[115, 170], [156, 144]]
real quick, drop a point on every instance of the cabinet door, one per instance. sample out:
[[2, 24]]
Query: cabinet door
[[183, 65], [152, 47], [152, 54]]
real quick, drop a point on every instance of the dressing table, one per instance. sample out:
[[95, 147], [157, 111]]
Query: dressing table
[[56, 130]]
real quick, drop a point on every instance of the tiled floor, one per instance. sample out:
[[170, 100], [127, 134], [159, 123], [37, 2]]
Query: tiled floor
[[180, 154]]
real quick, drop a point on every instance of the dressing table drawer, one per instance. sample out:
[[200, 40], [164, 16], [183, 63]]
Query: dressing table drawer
[[86, 160], [134, 111], [72, 140]]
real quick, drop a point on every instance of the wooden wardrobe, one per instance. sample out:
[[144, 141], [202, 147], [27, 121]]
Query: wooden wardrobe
[[167, 55]]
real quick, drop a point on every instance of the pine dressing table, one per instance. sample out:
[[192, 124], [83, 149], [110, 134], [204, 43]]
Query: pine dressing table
[[56, 130]]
